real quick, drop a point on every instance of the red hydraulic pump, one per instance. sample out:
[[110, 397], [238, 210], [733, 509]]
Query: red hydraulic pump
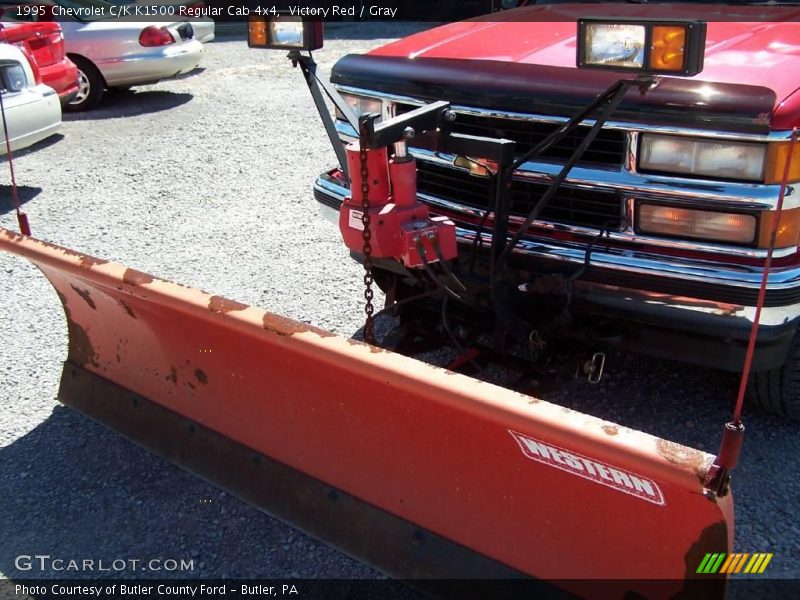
[[401, 226]]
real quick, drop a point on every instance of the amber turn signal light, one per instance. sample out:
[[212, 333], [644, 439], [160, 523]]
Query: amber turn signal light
[[668, 48], [257, 32], [777, 155], [788, 228]]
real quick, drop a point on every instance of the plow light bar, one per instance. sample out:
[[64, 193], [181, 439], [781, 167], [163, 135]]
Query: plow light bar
[[668, 47], [284, 33]]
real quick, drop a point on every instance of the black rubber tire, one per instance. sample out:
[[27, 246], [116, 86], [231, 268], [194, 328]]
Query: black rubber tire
[[778, 391], [96, 84]]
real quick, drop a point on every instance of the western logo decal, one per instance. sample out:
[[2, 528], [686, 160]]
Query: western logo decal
[[593, 470]]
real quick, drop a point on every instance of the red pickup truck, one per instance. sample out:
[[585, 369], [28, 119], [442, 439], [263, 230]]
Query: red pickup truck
[[43, 46], [656, 241]]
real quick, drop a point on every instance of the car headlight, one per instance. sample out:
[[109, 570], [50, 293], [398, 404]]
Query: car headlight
[[709, 225], [716, 159], [14, 78], [361, 105]]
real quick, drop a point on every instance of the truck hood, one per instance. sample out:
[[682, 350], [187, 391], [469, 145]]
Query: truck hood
[[752, 53]]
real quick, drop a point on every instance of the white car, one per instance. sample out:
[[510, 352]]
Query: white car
[[117, 52], [32, 111]]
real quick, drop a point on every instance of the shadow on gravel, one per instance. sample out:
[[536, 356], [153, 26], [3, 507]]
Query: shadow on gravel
[[43, 145], [26, 194], [193, 73], [72, 489], [130, 104], [679, 402]]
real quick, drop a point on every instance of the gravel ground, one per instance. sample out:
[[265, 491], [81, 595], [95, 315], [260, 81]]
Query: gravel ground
[[207, 181]]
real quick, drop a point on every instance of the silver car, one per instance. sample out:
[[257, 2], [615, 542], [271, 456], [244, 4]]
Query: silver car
[[32, 112], [117, 52]]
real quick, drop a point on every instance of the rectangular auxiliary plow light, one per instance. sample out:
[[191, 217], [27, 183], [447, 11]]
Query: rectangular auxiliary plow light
[[646, 46], [284, 33]]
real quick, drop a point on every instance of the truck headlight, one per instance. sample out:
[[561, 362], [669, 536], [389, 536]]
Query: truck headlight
[[709, 225], [715, 159], [361, 105]]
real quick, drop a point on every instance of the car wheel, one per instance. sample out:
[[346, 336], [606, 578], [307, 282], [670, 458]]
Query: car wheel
[[90, 86], [778, 391]]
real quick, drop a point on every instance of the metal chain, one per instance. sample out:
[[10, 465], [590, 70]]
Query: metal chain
[[369, 309]]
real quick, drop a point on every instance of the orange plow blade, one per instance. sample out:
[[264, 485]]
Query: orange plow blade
[[417, 470]]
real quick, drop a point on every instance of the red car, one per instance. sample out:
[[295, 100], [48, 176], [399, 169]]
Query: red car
[[43, 46]]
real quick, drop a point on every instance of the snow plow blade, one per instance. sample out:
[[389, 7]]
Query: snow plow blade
[[421, 472]]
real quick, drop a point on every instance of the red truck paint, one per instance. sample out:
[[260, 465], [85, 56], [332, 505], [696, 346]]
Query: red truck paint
[[761, 54]]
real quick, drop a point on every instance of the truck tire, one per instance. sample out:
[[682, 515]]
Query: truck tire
[[778, 391]]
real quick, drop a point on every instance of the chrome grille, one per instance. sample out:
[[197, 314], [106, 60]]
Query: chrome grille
[[570, 206], [608, 148]]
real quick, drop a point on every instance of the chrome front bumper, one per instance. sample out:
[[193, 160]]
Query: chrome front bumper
[[700, 297]]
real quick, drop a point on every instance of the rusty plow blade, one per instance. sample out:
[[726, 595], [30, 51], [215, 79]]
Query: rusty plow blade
[[419, 471]]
